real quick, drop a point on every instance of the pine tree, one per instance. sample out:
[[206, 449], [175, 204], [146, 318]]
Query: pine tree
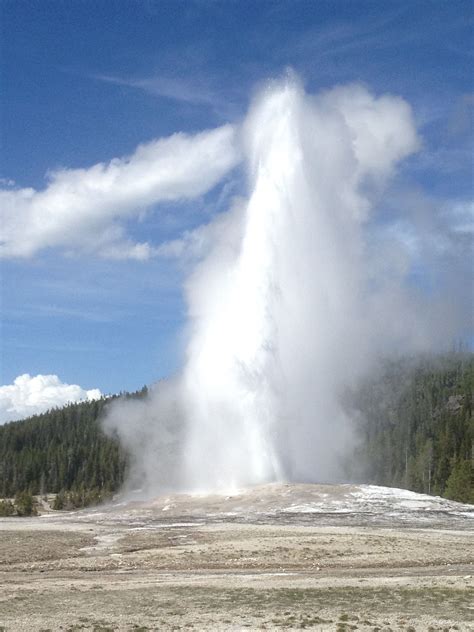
[[460, 484]]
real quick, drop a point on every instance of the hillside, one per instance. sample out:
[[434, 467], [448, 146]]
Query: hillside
[[415, 425], [61, 450]]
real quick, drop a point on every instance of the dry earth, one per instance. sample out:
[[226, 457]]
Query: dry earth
[[276, 557]]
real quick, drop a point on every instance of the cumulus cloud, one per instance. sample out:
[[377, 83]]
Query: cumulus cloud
[[33, 395], [83, 209]]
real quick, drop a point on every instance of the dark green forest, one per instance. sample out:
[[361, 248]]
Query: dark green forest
[[416, 426], [63, 450], [414, 421]]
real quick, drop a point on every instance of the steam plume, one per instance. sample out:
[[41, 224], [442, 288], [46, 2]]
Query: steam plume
[[290, 304]]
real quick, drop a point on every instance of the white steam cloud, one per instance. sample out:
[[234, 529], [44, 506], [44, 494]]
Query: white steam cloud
[[34, 395], [81, 209], [292, 303]]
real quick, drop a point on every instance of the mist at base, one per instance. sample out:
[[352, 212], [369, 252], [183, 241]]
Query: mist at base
[[299, 294]]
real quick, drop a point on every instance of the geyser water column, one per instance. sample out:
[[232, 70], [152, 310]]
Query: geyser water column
[[287, 307], [231, 374], [276, 308]]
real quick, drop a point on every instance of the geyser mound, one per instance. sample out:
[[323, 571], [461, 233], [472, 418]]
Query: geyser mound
[[288, 307], [293, 504]]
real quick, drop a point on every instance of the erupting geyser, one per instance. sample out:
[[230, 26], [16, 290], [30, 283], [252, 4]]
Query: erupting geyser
[[288, 306], [271, 316]]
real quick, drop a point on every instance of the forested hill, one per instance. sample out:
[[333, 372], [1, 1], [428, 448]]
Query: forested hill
[[416, 426], [61, 450], [415, 423]]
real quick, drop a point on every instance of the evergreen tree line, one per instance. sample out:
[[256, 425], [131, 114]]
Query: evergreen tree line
[[415, 424], [61, 451]]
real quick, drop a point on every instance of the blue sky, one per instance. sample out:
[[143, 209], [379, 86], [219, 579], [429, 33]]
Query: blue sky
[[87, 82]]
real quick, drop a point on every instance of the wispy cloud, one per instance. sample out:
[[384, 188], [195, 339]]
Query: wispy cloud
[[83, 210], [198, 91], [187, 91], [55, 311], [397, 27], [335, 38]]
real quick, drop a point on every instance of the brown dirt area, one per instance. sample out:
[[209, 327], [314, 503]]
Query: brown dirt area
[[139, 566]]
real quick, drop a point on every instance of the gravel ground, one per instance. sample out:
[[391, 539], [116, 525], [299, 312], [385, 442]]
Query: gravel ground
[[275, 557]]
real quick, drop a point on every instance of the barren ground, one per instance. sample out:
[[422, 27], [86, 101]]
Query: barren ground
[[275, 557]]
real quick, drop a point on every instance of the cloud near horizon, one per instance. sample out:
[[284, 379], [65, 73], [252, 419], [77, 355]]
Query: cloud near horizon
[[83, 210], [30, 395]]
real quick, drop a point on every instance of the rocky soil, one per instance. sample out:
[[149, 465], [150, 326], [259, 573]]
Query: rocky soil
[[270, 558]]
